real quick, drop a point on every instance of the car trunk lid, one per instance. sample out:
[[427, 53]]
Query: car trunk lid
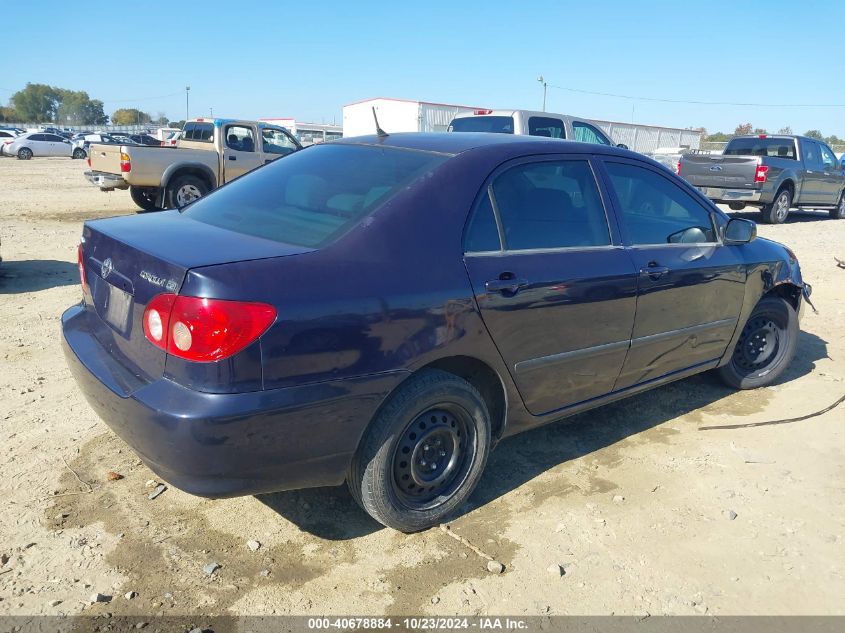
[[129, 260]]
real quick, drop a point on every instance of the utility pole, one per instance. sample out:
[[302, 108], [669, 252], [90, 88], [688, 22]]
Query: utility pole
[[545, 85], [187, 102]]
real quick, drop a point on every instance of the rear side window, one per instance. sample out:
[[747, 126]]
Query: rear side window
[[586, 133], [313, 197], [546, 126], [655, 210], [778, 147], [482, 234], [498, 124], [203, 132], [554, 204]]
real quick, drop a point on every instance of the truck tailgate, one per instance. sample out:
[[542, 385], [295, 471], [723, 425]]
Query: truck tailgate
[[730, 172], [105, 158]]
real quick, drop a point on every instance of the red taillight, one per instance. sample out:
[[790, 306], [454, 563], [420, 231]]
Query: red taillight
[[80, 262], [125, 162], [89, 161], [678, 167], [204, 330], [761, 173]]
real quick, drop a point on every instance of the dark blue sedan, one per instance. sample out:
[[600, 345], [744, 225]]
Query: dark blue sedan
[[382, 310]]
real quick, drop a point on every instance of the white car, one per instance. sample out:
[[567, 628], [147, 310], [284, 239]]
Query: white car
[[38, 144], [7, 136]]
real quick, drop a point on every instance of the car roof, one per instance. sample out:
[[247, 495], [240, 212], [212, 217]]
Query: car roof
[[454, 143]]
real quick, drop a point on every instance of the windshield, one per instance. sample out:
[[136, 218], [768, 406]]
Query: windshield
[[314, 196], [779, 147], [498, 124]]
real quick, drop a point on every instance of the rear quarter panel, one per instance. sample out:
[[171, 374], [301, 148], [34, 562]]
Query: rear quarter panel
[[150, 164]]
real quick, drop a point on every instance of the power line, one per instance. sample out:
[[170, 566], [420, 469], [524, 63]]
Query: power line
[[710, 103]]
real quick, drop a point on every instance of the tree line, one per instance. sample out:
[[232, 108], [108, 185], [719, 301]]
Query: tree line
[[40, 103], [748, 128]]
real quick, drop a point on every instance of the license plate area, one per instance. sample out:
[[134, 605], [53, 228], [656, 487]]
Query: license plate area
[[117, 308]]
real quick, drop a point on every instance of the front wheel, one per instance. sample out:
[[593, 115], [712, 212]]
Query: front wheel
[[838, 212], [24, 153], [777, 212], [145, 197], [765, 347], [423, 454]]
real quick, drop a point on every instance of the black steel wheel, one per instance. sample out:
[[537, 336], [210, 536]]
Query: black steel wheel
[[424, 452], [765, 346]]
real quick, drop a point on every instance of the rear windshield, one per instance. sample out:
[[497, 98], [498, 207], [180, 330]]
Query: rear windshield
[[312, 197], [498, 124], [778, 147]]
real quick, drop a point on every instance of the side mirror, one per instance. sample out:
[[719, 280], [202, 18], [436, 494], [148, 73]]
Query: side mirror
[[740, 231], [622, 145]]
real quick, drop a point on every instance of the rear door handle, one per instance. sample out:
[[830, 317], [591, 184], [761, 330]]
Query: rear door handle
[[233, 158], [505, 285], [654, 272]]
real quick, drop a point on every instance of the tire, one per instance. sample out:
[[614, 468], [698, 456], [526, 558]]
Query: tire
[[24, 153], [778, 211], [773, 325], [838, 212], [145, 197], [79, 153], [434, 419], [185, 189], [736, 206]]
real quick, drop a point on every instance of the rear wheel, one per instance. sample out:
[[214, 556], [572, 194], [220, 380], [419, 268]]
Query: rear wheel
[[184, 190], [79, 153], [765, 347], [145, 197], [777, 212], [24, 153], [423, 454], [838, 212]]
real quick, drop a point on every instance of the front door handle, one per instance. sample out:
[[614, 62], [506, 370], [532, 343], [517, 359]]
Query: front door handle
[[233, 158], [654, 272], [511, 285]]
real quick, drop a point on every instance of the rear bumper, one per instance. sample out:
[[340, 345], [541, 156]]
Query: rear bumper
[[719, 194], [223, 445], [106, 181]]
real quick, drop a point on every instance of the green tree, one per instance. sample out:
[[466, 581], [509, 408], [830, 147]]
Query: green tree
[[785, 130], [177, 124], [37, 103], [8, 114], [130, 116], [760, 130], [814, 134], [743, 128], [77, 108]]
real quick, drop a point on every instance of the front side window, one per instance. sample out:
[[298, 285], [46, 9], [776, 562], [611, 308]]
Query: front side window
[[655, 210], [497, 124], [276, 142], [546, 126], [828, 158], [313, 197], [812, 157], [554, 204], [586, 133], [240, 138]]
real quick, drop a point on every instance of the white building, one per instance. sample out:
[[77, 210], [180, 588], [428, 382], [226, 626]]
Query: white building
[[399, 115], [307, 133]]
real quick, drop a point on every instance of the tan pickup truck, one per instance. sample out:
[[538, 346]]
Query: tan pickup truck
[[209, 153]]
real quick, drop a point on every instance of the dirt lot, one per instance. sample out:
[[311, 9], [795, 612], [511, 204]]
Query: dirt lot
[[633, 500]]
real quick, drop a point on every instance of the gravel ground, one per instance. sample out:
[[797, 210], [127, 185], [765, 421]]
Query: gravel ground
[[643, 511]]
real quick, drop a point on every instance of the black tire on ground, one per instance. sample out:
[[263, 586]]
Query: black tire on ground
[[777, 212], [79, 153], [838, 212], [185, 189], [736, 206], [24, 153], [145, 197], [766, 346], [423, 454]]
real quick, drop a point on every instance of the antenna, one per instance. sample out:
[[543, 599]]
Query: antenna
[[379, 132]]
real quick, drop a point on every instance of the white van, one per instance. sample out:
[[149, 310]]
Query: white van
[[532, 123]]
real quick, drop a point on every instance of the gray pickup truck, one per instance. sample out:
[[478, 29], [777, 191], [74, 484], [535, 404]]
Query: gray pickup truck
[[773, 172]]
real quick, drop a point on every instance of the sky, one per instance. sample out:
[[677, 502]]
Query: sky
[[251, 59]]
